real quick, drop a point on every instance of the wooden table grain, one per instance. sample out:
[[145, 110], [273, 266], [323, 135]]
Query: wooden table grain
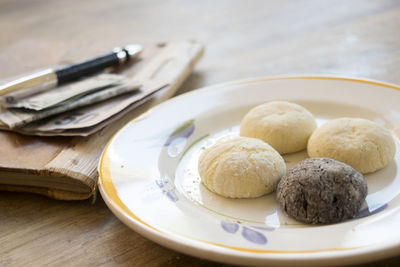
[[243, 39]]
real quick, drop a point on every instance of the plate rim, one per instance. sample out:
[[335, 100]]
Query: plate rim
[[201, 248]]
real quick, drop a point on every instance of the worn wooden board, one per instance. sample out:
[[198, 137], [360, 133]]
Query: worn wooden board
[[77, 158]]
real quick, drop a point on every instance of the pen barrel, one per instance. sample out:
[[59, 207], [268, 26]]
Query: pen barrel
[[85, 68]]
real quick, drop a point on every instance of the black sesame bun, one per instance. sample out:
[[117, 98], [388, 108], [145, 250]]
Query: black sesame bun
[[321, 191]]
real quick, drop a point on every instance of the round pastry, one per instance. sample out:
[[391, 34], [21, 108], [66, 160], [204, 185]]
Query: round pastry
[[363, 144], [321, 191], [285, 126], [241, 167]]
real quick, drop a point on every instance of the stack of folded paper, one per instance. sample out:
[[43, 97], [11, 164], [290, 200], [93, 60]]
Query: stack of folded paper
[[78, 108], [83, 107]]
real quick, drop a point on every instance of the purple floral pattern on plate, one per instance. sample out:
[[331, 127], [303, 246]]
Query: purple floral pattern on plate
[[371, 210], [168, 190], [249, 233], [254, 236], [183, 131], [172, 195], [230, 227]]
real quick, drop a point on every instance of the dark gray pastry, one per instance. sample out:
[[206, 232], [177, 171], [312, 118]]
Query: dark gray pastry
[[321, 191]]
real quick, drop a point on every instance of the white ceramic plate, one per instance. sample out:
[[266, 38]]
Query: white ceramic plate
[[149, 179]]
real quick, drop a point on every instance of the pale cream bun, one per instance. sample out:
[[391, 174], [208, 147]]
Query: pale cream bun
[[285, 126], [360, 143], [241, 167]]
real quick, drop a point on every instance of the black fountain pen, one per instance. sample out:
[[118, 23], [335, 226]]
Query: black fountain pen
[[50, 78]]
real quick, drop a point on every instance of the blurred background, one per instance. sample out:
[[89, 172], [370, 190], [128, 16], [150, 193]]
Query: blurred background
[[243, 39]]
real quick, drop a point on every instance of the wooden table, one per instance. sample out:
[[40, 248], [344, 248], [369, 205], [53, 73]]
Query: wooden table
[[242, 39]]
